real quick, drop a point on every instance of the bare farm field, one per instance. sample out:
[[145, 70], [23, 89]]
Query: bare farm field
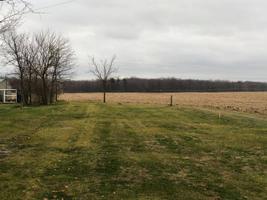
[[251, 102]]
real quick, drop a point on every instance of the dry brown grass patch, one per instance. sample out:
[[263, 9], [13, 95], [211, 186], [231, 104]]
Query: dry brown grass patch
[[252, 102]]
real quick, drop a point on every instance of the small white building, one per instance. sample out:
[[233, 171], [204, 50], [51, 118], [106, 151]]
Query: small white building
[[7, 94]]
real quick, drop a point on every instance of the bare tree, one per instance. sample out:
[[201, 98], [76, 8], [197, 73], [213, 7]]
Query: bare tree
[[103, 71], [62, 66], [11, 12], [54, 62], [45, 44], [14, 50]]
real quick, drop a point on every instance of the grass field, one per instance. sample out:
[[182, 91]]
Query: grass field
[[252, 102], [95, 151]]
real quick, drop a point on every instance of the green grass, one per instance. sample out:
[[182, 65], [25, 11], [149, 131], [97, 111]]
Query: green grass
[[96, 151]]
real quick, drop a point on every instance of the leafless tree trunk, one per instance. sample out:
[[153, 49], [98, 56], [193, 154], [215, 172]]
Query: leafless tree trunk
[[103, 70], [29, 56], [104, 89]]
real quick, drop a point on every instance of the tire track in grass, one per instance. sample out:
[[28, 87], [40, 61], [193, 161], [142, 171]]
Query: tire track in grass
[[116, 173], [120, 175], [108, 161], [76, 163]]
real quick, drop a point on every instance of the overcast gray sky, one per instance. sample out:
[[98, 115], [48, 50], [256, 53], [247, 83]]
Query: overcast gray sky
[[203, 39]]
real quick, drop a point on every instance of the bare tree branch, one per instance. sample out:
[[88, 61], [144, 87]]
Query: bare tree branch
[[11, 12]]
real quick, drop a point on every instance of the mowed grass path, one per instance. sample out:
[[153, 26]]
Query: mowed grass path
[[96, 151]]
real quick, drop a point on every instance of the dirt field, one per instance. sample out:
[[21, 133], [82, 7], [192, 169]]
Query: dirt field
[[252, 102]]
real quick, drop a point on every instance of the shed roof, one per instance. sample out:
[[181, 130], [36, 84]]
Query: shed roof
[[4, 84]]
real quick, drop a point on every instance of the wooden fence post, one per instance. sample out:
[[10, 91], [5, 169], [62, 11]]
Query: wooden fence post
[[4, 96], [171, 103]]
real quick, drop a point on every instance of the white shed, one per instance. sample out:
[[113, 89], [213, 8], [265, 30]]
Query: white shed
[[7, 94]]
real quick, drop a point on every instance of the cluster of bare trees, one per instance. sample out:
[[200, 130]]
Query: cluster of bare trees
[[41, 62]]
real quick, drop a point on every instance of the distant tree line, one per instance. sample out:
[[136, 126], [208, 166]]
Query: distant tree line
[[161, 85]]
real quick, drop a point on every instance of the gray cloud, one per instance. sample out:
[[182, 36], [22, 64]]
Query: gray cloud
[[205, 39]]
